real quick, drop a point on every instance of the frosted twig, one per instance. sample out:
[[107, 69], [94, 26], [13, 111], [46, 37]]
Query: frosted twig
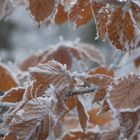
[[82, 91]]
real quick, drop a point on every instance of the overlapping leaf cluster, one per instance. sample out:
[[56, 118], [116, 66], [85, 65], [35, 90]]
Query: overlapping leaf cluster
[[41, 105]]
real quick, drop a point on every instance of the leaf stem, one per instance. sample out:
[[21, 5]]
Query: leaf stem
[[82, 91]]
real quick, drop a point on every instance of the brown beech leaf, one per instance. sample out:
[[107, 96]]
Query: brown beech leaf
[[33, 91], [102, 70], [91, 135], [101, 92], [128, 122], [32, 116], [123, 94], [81, 12], [97, 79], [61, 16], [122, 30], [34, 121], [31, 61], [94, 119], [137, 61], [71, 102], [75, 135], [83, 117], [13, 95], [101, 18], [7, 81], [69, 53], [135, 6], [41, 10], [53, 73]]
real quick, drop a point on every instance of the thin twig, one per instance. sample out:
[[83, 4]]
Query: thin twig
[[82, 91]]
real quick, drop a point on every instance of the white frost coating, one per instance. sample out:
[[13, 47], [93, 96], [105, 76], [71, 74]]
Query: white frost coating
[[20, 112], [109, 89], [116, 82], [68, 4]]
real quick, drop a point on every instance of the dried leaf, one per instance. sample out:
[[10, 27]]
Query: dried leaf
[[69, 53], [122, 30], [33, 121], [91, 135], [81, 12], [53, 73], [75, 135], [13, 95], [97, 79], [102, 70], [101, 18], [128, 121], [41, 10], [94, 119], [83, 117], [7, 81], [124, 93]]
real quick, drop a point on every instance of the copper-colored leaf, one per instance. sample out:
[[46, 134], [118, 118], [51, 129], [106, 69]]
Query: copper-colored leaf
[[97, 79], [61, 16], [94, 119], [75, 135], [7, 81], [102, 70], [41, 10], [83, 118], [123, 36], [135, 6], [34, 121], [101, 18], [124, 93], [128, 121], [69, 53], [81, 12], [137, 61], [91, 135], [53, 73], [13, 95]]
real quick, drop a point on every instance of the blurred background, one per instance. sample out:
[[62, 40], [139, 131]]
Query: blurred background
[[20, 38]]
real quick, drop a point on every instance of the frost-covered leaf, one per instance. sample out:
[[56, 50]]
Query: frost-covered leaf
[[34, 121], [70, 53], [97, 79], [101, 120], [101, 92], [83, 117], [13, 95], [38, 117], [123, 30], [53, 73], [91, 135], [75, 135], [101, 13], [128, 122], [6, 79], [41, 10], [123, 94], [81, 12], [102, 70]]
